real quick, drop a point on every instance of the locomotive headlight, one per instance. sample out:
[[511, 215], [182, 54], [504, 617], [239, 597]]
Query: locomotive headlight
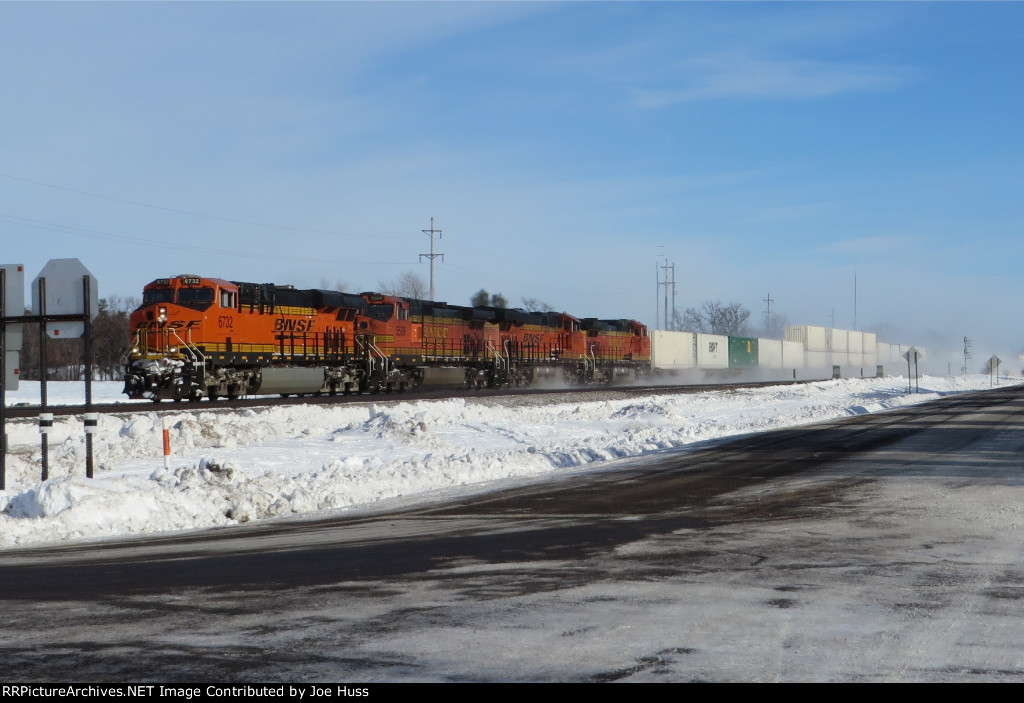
[[135, 350], [163, 314], [172, 350]]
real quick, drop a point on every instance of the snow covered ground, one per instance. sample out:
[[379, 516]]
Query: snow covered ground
[[231, 466]]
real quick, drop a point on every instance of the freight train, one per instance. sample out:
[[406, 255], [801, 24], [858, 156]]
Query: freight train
[[196, 337]]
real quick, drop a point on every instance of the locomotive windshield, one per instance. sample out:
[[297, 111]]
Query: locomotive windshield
[[380, 312], [195, 297], [158, 295]]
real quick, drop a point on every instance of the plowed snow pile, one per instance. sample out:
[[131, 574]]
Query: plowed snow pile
[[230, 467]]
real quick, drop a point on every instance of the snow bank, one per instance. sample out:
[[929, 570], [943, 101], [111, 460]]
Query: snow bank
[[230, 467]]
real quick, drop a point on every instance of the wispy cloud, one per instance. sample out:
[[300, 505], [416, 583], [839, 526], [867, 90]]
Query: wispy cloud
[[735, 75], [883, 244]]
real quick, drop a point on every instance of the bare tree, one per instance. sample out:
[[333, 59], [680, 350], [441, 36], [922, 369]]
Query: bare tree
[[728, 318], [689, 320], [714, 317], [774, 328], [338, 285], [408, 285], [111, 334], [65, 359], [534, 305]]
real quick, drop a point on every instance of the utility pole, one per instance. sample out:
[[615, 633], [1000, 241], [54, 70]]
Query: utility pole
[[967, 352], [431, 232], [854, 297], [673, 295], [664, 281], [768, 313]]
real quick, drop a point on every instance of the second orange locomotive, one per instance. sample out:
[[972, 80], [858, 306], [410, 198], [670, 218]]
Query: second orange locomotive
[[196, 337]]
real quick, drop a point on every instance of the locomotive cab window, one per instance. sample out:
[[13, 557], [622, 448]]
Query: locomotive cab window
[[227, 299], [159, 295], [200, 298], [382, 312]]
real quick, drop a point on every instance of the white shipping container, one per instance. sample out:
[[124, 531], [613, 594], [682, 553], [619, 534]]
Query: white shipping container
[[882, 350], [769, 353], [870, 343], [671, 350], [855, 347], [838, 340], [712, 351], [812, 338], [893, 354], [870, 351], [793, 355], [818, 359]]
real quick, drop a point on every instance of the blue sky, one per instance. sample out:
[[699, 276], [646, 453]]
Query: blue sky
[[564, 149]]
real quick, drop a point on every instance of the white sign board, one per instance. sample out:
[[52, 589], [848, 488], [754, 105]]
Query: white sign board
[[12, 372], [14, 303], [65, 295], [913, 354]]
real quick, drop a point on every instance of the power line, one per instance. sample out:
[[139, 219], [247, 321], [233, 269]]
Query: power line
[[198, 214], [175, 245]]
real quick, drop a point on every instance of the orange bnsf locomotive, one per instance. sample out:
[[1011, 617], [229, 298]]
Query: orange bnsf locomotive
[[197, 337]]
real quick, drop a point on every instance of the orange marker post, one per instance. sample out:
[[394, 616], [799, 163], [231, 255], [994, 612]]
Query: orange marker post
[[167, 445]]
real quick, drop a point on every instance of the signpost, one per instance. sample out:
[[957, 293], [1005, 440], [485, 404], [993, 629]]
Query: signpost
[[12, 297], [65, 300], [913, 354], [65, 297], [993, 369]]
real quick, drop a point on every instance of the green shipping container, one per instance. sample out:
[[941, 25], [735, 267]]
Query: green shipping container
[[742, 352]]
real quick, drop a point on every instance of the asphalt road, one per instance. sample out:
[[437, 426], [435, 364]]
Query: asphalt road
[[880, 547]]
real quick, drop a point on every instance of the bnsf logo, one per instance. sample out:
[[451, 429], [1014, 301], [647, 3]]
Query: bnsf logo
[[532, 338], [174, 325], [283, 325]]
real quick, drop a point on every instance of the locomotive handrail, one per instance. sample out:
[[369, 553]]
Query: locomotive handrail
[[197, 355], [362, 342], [499, 361], [383, 357], [590, 362], [136, 342], [371, 348]]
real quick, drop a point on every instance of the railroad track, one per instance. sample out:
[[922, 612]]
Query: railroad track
[[145, 406]]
